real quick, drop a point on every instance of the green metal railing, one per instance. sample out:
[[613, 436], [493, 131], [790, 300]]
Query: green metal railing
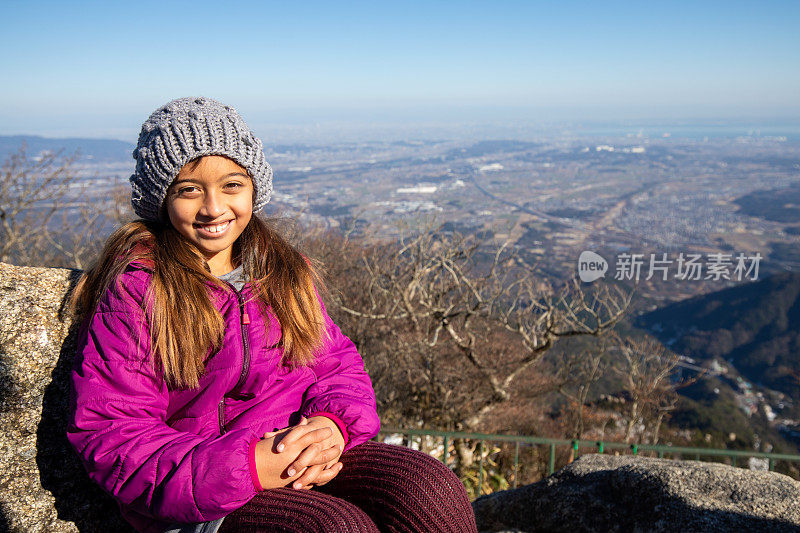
[[574, 444]]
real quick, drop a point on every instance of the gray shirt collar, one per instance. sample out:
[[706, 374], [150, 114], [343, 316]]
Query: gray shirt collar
[[235, 277]]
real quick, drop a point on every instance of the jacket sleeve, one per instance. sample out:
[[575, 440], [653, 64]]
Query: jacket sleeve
[[118, 426], [342, 388]]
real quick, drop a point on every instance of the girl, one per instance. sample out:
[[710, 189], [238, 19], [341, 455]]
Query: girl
[[211, 390]]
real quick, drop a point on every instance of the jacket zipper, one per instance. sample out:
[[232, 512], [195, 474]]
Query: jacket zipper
[[244, 322], [221, 413]]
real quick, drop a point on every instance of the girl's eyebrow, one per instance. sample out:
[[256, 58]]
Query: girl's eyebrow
[[230, 174]]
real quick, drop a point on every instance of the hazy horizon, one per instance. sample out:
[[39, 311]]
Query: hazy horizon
[[336, 125]]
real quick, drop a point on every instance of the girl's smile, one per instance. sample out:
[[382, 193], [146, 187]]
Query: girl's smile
[[214, 231], [210, 203]]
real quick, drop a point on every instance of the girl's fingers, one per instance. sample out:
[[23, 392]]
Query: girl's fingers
[[303, 422], [308, 477], [298, 436], [328, 474], [295, 433], [314, 454], [322, 478]]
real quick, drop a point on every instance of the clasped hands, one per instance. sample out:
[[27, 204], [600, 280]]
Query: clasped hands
[[300, 456]]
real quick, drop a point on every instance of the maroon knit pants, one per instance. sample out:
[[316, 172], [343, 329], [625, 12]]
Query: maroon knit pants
[[382, 487]]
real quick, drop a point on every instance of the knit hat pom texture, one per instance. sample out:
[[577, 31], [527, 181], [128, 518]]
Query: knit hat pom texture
[[183, 130]]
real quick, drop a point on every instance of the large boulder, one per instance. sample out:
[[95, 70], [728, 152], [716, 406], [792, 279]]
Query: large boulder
[[43, 486], [634, 493]]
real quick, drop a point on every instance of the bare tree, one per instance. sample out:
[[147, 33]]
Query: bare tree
[[646, 367], [84, 227], [448, 328], [48, 216], [32, 191], [577, 372]]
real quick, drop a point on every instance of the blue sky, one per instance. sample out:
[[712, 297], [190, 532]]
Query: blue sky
[[99, 68]]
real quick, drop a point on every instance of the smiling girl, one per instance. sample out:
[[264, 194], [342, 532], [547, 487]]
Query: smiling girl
[[210, 203], [211, 389]]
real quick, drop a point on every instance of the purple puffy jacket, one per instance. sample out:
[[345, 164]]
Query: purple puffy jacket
[[187, 456]]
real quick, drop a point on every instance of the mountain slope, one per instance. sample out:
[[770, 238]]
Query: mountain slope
[[755, 327], [100, 150]]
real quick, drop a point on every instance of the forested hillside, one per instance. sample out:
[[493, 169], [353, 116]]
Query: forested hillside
[[753, 326], [747, 339]]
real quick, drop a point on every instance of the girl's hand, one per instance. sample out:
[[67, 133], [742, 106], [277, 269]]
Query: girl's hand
[[317, 474], [273, 467]]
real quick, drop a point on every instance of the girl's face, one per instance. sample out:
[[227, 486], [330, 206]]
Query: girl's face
[[210, 203]]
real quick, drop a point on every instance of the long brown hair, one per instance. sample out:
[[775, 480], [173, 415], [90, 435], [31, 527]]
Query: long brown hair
[[184, 324]]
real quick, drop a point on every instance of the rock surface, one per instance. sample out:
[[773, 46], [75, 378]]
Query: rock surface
[[43, 486], [634, 493]]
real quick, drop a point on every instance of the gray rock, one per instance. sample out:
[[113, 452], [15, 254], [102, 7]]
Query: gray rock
[[634, 493], [43, 486]]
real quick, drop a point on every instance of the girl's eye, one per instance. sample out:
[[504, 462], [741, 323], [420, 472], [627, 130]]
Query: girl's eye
[[184, 190], [234, 185]]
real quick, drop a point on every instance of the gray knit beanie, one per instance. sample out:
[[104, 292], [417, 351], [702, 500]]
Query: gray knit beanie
[[185, 129]]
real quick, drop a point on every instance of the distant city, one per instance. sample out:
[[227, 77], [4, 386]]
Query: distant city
[[552, 196]]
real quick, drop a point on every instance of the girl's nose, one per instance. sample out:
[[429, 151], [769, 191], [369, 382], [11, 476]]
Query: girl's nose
[[212, 206]]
